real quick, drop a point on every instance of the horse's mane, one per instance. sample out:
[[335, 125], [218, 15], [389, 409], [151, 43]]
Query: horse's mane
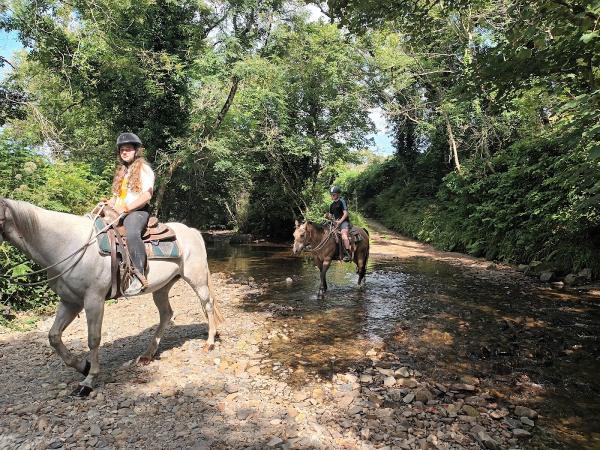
[[314, 224], [24, 217]]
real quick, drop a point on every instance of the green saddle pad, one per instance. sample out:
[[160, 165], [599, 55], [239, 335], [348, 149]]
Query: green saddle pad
[[154, 249]]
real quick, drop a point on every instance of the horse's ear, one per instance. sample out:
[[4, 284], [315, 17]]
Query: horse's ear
[[296, 223]]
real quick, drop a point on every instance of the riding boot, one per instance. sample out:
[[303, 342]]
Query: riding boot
[[135, 223], [347, 257], [135, 287]]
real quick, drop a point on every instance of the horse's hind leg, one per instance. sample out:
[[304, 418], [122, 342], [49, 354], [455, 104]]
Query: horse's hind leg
[[64, 316], [361, 264], [161, 300], [201, 286]]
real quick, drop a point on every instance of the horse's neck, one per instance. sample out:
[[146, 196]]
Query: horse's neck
[[316, 235], [55, 236]]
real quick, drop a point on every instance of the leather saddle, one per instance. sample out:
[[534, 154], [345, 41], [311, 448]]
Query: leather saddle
[[354, 236], [122, 268]]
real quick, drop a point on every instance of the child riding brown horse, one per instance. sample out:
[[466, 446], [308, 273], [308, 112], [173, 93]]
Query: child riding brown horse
[[323, 245]]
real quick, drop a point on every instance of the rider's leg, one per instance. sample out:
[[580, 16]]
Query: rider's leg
[[346, 241], [135, 223]]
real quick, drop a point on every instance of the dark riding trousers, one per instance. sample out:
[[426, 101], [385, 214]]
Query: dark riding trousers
[[135, 223]]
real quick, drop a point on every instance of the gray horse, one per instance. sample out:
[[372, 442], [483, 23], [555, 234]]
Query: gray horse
[[83, 280]]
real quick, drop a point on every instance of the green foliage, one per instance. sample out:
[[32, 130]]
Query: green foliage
[[62, 186]]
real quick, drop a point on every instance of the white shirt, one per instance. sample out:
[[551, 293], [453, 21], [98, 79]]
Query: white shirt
[[147, 184]]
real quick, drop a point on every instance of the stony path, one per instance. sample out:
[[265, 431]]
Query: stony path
[[233, 397]]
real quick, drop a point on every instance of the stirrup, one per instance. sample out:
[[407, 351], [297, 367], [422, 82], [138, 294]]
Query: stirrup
[[137, 285]]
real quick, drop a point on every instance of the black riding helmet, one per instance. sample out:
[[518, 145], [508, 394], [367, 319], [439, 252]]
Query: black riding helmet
[[128, 138], [335, 190]]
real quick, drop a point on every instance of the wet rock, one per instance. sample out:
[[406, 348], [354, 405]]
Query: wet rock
[[385, 372], [521, 433], [522, 411], [499, 414], [527, 421], [243, 414], [274, 441], [408, 398], [403, 372], [389, 381], [470, 411], [462, 387], [570, 279], [546, 276], [407, 382], [423, 395], [585, 274], [366, 379], [487, 441]]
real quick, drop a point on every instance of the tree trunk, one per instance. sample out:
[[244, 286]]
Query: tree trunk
[[160, 195], [452, 143], [207, 134]]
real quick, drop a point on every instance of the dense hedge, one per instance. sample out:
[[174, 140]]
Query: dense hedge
[[539, 203]]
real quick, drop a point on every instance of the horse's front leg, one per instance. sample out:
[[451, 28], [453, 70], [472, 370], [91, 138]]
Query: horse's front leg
[[64, 316], [324, 269], [94, 311]]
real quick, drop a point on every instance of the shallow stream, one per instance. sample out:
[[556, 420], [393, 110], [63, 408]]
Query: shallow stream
[[524, 343]]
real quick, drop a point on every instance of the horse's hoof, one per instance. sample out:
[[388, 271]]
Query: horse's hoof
[[208, 347], [86, 369], [143, 360], [81, 391]]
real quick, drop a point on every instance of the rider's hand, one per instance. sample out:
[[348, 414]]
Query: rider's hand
[[121, 210]]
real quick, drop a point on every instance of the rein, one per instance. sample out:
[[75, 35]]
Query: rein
[[90, 241]]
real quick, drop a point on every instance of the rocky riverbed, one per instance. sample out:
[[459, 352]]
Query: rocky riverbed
[[258, 389], [231, 397]]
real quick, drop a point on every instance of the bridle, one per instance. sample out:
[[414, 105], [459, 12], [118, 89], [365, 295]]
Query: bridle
[[321, 244]]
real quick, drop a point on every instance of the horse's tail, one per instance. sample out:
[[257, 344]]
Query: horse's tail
[[219, 318]]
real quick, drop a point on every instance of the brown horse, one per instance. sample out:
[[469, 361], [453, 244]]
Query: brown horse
[[323, 245]]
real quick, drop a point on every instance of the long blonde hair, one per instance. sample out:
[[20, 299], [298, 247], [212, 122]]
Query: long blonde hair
[[135, 168]]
